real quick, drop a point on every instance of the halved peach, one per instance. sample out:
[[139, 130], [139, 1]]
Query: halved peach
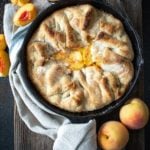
[[25, 15], [4, 64], [19, 2], [2, 42]]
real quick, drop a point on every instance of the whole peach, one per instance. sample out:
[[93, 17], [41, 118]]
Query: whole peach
[[134, 114], [113, 135]]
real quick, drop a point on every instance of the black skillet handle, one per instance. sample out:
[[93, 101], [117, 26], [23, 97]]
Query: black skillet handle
[[55, 1]]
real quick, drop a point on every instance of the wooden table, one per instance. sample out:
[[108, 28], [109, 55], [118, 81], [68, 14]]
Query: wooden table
[[24, 139]]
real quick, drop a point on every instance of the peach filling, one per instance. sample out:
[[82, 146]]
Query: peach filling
[[76, 58]]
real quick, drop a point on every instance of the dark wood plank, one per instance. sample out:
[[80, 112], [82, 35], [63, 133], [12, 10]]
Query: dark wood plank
[[146, 42], [6, 102], [26, 140], [134, 10]]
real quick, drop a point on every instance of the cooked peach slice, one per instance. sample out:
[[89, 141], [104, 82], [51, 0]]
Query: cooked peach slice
[[4, 64], [25, 15], [2, 42], [19, 2]]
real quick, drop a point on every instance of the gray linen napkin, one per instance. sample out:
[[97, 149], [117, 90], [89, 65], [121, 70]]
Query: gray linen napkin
[[39, 119]]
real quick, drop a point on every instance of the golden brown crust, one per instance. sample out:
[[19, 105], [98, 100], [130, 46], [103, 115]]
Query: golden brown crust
[[116, 45], [80, 58], [87, 18]]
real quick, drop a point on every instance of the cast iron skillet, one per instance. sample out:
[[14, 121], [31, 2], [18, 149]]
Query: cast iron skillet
[[83, 116]]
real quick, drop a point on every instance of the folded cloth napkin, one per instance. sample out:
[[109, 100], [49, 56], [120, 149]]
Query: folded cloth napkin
[[39, 119]]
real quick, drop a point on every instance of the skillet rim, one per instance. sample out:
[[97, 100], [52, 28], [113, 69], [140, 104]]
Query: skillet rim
[[138, 60]]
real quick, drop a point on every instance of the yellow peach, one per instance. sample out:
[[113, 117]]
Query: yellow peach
[[14, 2], [4, 64], [134, 114], [19, 2], [2, 42], [113, 135], [25, 15]]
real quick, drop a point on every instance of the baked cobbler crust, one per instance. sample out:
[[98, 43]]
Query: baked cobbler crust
[[80, 58]]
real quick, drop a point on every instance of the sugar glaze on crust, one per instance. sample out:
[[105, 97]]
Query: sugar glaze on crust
[[80, 58]]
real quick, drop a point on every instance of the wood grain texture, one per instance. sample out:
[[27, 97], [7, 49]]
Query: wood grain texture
[[24, 139], [146, 46], [27, 140], [6, 102]]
